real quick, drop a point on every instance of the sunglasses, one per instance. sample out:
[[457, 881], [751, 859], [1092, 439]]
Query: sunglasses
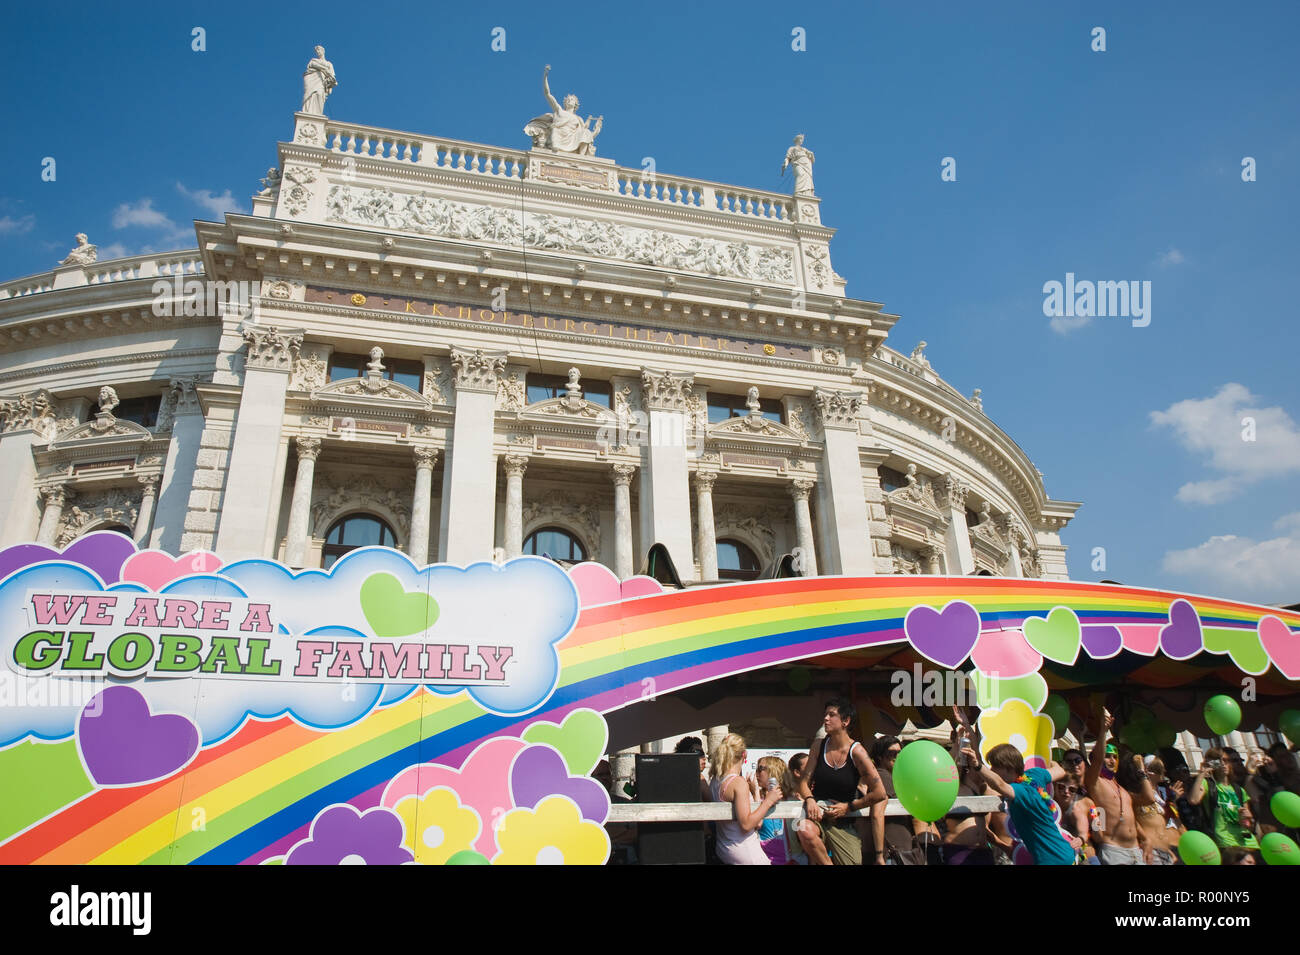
[[1074, 761]]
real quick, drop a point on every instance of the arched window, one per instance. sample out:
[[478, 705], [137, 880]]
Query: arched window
[[353, 531], [555, 543], [736, 561]]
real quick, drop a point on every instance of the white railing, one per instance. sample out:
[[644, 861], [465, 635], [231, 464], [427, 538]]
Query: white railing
[[350, 139], [165, 264], [916, 370]]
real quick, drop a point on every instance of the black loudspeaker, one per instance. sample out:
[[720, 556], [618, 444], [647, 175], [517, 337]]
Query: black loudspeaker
[[669, 777]]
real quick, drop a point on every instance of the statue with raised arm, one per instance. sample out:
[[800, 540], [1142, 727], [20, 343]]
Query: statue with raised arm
[[562, 129], [317, 83], [802, 160], [83, 254]]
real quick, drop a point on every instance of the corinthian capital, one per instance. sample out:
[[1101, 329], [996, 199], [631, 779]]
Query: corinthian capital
[[424, 457], [838, 409], [799, 490], [55, 495], [308, 448], [623, 474], [665, 391], [271, 347], [950, 492], [515, 464], [478, 370], [704, 481]]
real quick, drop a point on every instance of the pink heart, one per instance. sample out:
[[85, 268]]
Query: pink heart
[[156, 569], [640, 586], [1282, 646], [1141, 639], [482, 783], [1006, 653], [596, 584]]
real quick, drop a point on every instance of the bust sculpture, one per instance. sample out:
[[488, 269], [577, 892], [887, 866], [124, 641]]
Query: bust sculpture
[[108, 399], [376, 363], [573, 388], [562, 129], [83, 254], [751, 400], [317, 83], [802, 160]]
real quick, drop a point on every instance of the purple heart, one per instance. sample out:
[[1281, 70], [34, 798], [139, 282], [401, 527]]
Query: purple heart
[[1101, 642], [945, 637], [1180, 638], [123, 744], [104, 552], [539, 771]]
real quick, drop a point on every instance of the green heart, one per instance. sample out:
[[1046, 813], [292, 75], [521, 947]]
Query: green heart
[[1056, 636], [991, 693], [580, 739], [1242, 645], [391, 611]]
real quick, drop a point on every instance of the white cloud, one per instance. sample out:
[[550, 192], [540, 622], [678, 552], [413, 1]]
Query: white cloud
[[11, 226], [217, 205], [114, 250], [1238, 438], [1172, 257], [141, 213], [1239, 567], [1063, 325]]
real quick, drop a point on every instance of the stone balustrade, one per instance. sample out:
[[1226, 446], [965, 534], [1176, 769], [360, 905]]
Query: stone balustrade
[[152, 266]]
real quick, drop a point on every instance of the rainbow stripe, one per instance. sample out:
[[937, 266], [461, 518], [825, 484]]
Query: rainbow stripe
[[253, 795]]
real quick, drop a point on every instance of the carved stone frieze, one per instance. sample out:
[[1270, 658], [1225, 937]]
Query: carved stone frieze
[[905, 561], [838, 409], [512, 395], [92, 508], [34, 410], [336, 494], [566, 509], [751, 523], [309, 372], [478, 370], [300, 180], [665, 391], [429, 215], [271, 347]]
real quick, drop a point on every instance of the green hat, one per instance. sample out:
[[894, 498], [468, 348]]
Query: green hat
[[1112, 749]]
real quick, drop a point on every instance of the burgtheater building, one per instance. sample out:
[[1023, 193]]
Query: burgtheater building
[[469, 352]]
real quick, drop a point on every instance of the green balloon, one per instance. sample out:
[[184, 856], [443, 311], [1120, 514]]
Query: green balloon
[[799, 679], [1222, 714], [1163, 735], [1289, 723], [1286, 807], [1196, 848], [1279, 850], [468, 857], [1138, 737], [1058, 711], [1142, 717], [926, 779]]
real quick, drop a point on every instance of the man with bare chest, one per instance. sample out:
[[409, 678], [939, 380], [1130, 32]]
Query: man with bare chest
[[1114, 831]]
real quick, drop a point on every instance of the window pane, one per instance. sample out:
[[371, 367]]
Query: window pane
[[597, 392], [143, 411], [343, 367], [554, 543]]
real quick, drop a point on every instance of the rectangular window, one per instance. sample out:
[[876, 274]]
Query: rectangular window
[[545, 387], [724, 407], [891, 480], [404, 371], [143, 411]]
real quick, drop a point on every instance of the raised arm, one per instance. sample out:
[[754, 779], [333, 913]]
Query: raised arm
[[1103, 720], [751, 819], [546, 89], [994, 781]]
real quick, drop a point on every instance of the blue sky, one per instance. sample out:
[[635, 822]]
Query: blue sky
[[1115, 165]]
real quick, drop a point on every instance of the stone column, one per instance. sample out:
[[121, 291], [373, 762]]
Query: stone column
[[624, 565], [932, 553], [950, 494], [704, 514], [295, 544], [468, 523], [622, 767], [182, 407], [417, 548], [25, 420], [665, 484], [841, 502], [246, 503], [712, 737], [806, 559], [515, 465], [55, 497], [149, 493], [1011, 534]]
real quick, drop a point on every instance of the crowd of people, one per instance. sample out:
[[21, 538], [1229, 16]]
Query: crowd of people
[[1108, 806]]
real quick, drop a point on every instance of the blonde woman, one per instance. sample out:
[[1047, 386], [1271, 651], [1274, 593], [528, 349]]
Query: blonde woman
[[738, 842]]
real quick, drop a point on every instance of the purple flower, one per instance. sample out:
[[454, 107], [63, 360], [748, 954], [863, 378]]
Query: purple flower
[[340, 835]]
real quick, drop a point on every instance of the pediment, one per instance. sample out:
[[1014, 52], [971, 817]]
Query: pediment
[[104, 428], [754, 425], [577, 409], [371, 388]]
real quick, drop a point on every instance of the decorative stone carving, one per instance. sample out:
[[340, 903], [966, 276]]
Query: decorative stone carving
[[300, 180], [317, 83], [309, 134], [33, 410], [918, 355], [281, 290], [795, 414], [181, 397], [308, 373], [308, 448], [515, 464], [512, 395], [950, 492], [110, 506], [905, 561], [425, 457], [977, 401], [623, 474], [271, 347], [83, 253], [799, 490], [819, 263], [372, 386], [438, 386], [271, 182], [478, 370], [56, 495], [562, 129], [704, 480], [665, 391], [381, 208], [831, 356], [838, 409], [751, 523], [338, 494], [108, 400], [566, 509], [623, 402], [802, 159]]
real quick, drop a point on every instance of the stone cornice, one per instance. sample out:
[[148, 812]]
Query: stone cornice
[[53, 369]]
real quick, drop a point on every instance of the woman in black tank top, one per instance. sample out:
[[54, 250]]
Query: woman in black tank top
[[836, 785]]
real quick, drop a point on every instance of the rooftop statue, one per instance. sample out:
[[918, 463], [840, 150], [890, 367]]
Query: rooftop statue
[[802, 160], [83, 254], [562, 129], [317, 83]]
